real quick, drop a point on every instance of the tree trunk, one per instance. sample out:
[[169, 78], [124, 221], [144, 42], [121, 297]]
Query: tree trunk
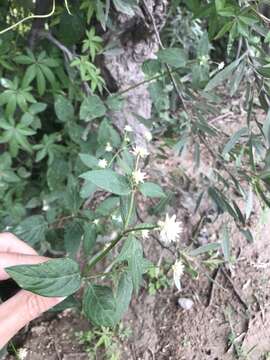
[[137, 43]]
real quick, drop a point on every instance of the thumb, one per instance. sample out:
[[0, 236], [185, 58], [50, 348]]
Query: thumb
[[12, 259]]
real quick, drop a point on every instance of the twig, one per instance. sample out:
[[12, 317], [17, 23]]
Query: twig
[[224, 272], [58, 44], [212, 287]]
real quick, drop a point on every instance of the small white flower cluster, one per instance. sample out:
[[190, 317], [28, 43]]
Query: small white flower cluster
[[140, 151], [170, 229], [221, 65], [108, 147], [138, 176], [102, 163], [178, 271], [145, 234], [128, 128], [22, 353]]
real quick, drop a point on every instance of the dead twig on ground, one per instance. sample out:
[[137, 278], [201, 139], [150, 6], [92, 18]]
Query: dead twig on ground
[[212, 287], [237, 293]]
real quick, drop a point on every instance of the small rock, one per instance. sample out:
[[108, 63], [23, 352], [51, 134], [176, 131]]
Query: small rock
[[38, 330], [186, 304]]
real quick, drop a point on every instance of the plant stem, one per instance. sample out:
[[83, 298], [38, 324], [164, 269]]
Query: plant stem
[[101, 255], [130, 209]]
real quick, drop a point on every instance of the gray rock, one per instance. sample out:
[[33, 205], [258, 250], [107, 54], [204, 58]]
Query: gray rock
[[185, 303]]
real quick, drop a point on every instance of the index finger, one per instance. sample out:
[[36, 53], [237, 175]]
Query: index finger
[[9, 243]]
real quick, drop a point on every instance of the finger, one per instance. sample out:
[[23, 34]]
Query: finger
[[19, 310], [12, 259], [10, 243]]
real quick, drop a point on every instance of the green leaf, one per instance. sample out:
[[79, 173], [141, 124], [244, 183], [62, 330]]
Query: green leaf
[[174, 57], [108, 180], [89, 160], [32, 230], [57, 277], [132, 252], [124, 6], [225, 244], [266, 128], [123, 295], [222, 75], [91, 108], [106, 133], [89, 238], [151, 190], [106, 207], [234, 139], [205, 249], [72, 237], [63, 109], [99, 305]]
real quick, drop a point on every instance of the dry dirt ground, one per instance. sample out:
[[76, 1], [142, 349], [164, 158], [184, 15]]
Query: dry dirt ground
[[230, 317]]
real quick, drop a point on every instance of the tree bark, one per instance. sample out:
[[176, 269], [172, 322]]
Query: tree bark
[[42, 7], [137, 43]]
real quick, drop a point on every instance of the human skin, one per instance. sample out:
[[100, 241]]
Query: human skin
[[24, 307]]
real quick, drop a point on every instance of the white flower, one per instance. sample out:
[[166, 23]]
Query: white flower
[[128, 128], [147, 135], [138, 176], [140, 151], [221, 65], [45, 206], [96, 221], [108, 147], [178, 271], [204, 59], [117, 218], [145, 234], [170, 229], [22, 353], [103, 163]]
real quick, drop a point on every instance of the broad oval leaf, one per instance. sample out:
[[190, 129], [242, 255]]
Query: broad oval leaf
[[92, 107], [56, 277], [99, 305], [32, 229], [108, 180], [151, 190], [173, 57], [63, 109]]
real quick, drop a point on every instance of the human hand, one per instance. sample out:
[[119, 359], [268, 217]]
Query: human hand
[[19, 310]]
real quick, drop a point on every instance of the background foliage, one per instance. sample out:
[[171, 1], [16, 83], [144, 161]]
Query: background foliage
[[56, 129]]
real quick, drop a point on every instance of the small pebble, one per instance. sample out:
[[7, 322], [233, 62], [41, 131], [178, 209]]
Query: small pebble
[[186, 304]]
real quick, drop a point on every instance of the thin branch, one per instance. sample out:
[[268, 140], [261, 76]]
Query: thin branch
[[70, 56], [58, 44]]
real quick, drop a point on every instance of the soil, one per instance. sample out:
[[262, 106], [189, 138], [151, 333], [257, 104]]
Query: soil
[[230, 316]]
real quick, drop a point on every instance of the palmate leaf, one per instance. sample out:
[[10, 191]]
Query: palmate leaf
[[57, 277]]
